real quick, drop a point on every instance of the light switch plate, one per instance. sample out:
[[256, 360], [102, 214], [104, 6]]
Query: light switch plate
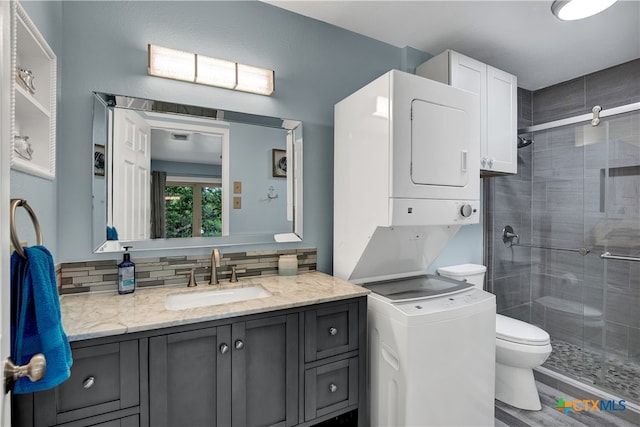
[[237, 187], [237, 202]]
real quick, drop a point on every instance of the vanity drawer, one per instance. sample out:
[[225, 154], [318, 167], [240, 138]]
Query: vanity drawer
[[104, 378], [331, 387], [330, 331]]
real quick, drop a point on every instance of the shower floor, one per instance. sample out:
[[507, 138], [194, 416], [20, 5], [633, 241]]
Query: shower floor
[[617, 376]]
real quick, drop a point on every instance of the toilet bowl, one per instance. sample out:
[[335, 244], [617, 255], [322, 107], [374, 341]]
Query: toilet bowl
[[520, 347]]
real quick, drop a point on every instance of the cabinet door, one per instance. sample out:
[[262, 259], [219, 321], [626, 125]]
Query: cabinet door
[[471, 75], [502, 121], [265, 372], [190, 378]]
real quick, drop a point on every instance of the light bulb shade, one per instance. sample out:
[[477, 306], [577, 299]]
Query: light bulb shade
[[191, 67], [216, 72], [571, 10], [171, 63], [255, 79]]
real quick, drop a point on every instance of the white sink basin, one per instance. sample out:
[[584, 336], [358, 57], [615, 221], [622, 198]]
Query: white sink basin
[[181, 301]]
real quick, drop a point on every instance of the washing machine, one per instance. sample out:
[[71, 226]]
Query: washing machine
[[431, 352]]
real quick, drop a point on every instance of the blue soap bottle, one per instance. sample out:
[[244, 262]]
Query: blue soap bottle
[[126, 274]]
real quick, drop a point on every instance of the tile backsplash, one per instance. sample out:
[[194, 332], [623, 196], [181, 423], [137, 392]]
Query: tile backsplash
[[90, 276]]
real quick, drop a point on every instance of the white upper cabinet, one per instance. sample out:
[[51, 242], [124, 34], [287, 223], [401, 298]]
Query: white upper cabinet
[[33, 98], [498, 105]]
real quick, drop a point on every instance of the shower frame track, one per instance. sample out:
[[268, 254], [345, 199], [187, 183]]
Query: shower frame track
[[581, 118]]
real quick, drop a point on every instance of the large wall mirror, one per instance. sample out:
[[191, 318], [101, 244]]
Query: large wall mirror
[[169, 176]]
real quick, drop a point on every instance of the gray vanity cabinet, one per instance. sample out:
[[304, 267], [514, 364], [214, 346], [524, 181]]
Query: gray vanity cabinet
[[293, 367], [244, 375]]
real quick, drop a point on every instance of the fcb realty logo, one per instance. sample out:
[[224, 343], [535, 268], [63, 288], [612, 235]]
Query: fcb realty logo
[[587, 405]]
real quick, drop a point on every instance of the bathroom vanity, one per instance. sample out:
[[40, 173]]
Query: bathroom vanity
[[295, 358]]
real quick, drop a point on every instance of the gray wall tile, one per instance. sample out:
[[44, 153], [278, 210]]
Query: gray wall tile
[[617, 339], [525, 100], [614, 86], [559, 101], [608, 88]]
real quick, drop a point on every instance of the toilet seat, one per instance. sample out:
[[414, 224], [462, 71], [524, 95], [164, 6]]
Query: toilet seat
[[520, 332]]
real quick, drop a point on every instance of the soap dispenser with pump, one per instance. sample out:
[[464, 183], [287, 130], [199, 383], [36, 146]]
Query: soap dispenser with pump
[[126, 274]]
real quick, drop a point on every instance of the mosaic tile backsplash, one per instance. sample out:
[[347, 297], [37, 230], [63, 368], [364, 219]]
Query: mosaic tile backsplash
[[91, 276]]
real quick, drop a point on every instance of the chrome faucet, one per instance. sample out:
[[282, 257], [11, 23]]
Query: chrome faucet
[[215, 263]]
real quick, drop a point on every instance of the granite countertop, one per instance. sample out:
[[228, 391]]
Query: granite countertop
[[101, 314]]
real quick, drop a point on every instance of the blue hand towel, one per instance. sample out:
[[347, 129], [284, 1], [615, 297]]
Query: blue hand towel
[[112, 233], [36, 325]]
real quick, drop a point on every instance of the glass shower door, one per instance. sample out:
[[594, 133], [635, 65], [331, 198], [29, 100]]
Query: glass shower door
[[586, 193], [612, 224]]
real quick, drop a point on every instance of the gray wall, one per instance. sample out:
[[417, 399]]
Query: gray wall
[[557, 200], [101, 46]]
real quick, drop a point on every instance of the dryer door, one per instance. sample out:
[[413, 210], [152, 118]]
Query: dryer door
[[439, 145]]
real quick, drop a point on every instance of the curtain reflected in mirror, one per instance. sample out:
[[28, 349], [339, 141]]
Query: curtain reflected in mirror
[[158, 221]]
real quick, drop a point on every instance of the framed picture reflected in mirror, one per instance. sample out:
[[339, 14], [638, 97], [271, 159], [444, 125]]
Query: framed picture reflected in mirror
[[98, 160], [279, 163]]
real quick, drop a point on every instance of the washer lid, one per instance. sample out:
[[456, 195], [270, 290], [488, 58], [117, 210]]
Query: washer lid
[[416, 287], [517, 331]]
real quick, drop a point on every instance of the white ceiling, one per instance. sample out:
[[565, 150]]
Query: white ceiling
[[518, 36], [197, 147]]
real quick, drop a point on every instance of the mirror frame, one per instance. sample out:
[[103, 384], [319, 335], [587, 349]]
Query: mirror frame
[[294, 174]]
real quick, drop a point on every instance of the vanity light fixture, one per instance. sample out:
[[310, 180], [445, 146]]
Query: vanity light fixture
[[571, 10], [191, 67]]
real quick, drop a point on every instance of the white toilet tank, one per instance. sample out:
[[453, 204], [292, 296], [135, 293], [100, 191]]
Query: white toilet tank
[[472, 273]]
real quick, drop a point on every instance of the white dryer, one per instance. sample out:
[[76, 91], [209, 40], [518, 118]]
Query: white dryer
[[432, 352]]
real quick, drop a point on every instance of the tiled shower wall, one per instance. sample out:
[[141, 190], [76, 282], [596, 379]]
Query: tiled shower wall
[[557, 200], [508, 202], [92, 276]]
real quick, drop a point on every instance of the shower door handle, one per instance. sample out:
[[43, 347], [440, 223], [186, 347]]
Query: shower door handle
[[608, 255]]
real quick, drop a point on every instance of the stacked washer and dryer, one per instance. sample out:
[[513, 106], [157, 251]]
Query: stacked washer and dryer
[[406, 178]]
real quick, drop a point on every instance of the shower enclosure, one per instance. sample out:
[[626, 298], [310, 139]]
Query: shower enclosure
[[575, 198]]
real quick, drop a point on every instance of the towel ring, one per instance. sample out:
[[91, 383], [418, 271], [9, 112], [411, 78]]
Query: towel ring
[[15, 241]]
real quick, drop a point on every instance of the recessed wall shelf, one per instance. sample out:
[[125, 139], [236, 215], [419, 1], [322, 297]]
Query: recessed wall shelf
[[33, 98]]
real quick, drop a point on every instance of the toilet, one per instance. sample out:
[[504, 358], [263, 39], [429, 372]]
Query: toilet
[[520, 347]]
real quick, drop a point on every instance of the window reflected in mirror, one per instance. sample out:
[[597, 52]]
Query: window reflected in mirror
[[193, 209]]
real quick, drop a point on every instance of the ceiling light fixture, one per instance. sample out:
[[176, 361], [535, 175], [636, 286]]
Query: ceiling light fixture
[[571, 10], [191, 67]]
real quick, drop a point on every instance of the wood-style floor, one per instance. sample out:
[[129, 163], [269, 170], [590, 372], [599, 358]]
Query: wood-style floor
[[512, 417]]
